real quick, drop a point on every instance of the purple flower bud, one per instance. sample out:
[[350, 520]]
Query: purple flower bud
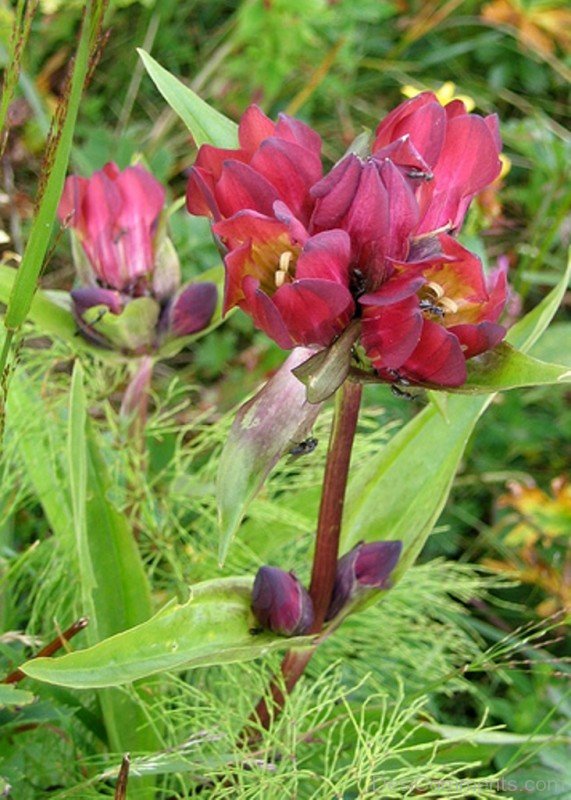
[[89, 296], [280, 603], [366, 566], [192, 309]]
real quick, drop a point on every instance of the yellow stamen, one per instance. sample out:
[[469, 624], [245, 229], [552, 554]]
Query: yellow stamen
[[285, 261], [282, 271], [434, 289], [280, 277], [448, 305]]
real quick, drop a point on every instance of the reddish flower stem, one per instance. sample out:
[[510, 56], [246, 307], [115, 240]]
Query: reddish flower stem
[[347, 403], [51, 648]]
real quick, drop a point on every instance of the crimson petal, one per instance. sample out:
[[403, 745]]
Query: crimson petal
[[437, 359], [391, 333], [292, 170], [264, 313], [314, 311], [476, 339], [241, 187], [254, 127], [326, 255], [335, 192], [293, 130], [423, 119]]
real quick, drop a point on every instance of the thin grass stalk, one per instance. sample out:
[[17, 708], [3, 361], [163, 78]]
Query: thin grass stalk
[[23, 16]]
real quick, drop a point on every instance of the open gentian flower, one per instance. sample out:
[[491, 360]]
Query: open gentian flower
[[423, 323], [128, 272], [275, 161], [373, 240]]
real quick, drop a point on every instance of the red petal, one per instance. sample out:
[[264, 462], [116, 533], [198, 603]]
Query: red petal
[[455, 108], [143, 196], [394, 290], [70, 209], [292, 170], [200, 197], [241, 187], [212, 158], [314, 311], [476, 339], [293, 130], [423, 119], [264, 313], [404, 154], [437, 359], [254, 128], [326, 255], [368, 223], [391, 333], [236, 262], [468, 163], [249, 225], [498, 290], [335, 193]]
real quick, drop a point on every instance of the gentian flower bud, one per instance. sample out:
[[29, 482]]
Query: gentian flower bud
[[128, 272], [280, 603], [365, 567], [192, 308]]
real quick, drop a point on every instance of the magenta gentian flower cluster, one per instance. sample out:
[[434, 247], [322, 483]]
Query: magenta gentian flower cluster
[[373, 240], [129, 295]]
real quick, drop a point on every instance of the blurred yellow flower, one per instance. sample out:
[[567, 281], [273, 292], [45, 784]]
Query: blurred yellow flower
[[445, 94], [536, 541], [539, 26]]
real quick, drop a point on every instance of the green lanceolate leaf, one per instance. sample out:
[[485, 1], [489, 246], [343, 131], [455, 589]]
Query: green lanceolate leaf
[[114, 586], [399, 494], [206, 125], [276, 419], [215, 626], [504, 367]]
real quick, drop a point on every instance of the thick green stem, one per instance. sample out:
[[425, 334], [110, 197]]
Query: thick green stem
[[347, 403]]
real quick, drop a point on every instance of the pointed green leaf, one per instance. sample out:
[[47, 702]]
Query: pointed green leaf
[[206, 124], [114, 586], [215, 626], [400, 493], [504, 367], [276, 419]]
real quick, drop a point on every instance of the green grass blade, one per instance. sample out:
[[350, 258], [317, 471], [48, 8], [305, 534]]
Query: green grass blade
[[23, 16]]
